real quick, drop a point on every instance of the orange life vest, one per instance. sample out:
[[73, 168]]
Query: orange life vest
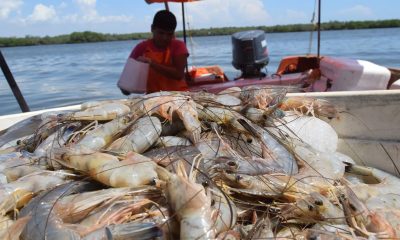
[[158, 82]]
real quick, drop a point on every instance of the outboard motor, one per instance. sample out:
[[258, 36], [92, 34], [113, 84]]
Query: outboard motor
[[250, 53]]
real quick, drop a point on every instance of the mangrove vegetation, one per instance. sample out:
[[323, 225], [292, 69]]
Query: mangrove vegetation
[[87, 36]]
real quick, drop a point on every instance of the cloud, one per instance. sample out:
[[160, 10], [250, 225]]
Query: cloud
[[357, 11], [42, 13], [7, 6], [218, 13], [89, 14]]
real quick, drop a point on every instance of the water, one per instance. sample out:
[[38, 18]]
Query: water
[[62, 75]]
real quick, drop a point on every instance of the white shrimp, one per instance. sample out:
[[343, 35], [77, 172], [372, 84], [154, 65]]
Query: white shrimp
[[310, 106], [107, 111], [142, 136], [223, 116], [16, 194], [166, 104], [225, 211], [171, 141], [191, 205], [134, 171], [314, 207], [272, 148], [262, 97], [102, 135]]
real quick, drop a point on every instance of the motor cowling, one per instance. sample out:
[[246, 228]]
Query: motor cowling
[[250, 52]]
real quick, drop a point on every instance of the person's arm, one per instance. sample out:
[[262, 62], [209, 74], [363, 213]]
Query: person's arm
[[176, 71]]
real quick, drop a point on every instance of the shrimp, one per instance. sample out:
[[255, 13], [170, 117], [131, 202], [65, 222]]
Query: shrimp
[[102, 135], [272, 148], [16, 165], [57, 139], [261, 230], [249, 166], [59, 214], [223, 116], [94, 210], [134, 171], [169, 157], [366, 222], [314, 207], [266, 98], [20, 129], [225, 211], [256, 115], [266, 186], [212, 147], [16, 194], [172, 141], [310, 106], [11, 230], [209, 99], [166, 104], [243, 143], [191, 205], [143, 135], [319, 167], [45, 223], [104, 112]]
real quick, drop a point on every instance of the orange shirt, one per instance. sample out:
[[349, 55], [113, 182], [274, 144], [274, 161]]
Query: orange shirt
[[156, 81]]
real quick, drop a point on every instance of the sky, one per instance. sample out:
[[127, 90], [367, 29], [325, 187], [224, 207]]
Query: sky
[[20, 18]]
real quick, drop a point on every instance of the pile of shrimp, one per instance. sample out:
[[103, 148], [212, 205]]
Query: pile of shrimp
[[248, 163]]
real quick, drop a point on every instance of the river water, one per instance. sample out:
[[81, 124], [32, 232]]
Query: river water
[[61, 75]]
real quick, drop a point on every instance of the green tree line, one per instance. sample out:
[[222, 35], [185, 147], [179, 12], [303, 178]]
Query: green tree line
[[87, 36]]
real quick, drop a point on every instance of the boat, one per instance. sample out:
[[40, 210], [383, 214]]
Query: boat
[[305, 73], [309, 74], [367, 126]]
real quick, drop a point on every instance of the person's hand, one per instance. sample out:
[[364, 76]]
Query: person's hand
[[144, 59]]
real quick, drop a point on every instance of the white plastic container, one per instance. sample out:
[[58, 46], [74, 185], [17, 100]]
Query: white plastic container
[[349, 74]]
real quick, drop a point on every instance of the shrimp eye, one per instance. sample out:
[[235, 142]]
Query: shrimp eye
[[310, 207], [352, 207], [153, 182], [205, 184], [249, 140], [238, 178], [319, 202], [232, 164]]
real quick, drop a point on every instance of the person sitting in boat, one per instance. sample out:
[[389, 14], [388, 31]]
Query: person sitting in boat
[[166, 55]]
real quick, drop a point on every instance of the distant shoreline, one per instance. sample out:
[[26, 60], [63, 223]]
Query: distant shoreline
[[87, 36]]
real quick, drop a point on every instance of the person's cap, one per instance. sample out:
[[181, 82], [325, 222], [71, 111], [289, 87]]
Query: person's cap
[[165, 20]]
